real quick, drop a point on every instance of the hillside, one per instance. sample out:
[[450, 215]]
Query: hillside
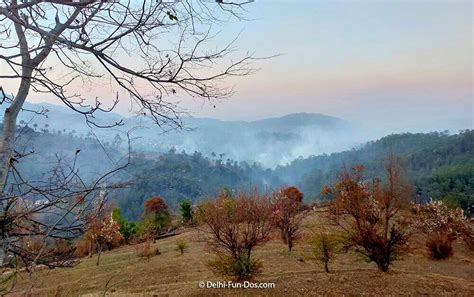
[[176, 176], [122, 273], [269, 141], [439, 164]]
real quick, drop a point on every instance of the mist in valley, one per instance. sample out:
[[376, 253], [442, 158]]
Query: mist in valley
[[269, 142]]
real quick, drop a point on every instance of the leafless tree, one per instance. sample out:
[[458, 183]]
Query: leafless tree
[[233, 228], [90, 41], [40, 216]]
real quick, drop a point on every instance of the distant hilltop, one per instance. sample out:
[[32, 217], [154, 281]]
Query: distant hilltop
[[269, 141]]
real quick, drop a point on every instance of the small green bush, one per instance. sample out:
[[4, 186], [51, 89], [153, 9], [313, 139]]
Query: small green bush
[[241, 268], [324, 248], [181, 245]]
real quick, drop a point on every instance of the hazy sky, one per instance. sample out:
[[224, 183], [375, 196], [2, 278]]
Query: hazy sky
[[408, 63]]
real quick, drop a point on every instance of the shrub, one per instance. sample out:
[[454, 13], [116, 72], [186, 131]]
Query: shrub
[[155, 205], [294, 194], [442, 224], [440, 246], [103, 233], [234, 227], [243, 266], [83, 248], [366, 211], [145, 251], [181, 245], [60, 252], [127, 229], [324, 248]]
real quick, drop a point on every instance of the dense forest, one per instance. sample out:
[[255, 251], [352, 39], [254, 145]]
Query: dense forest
[[439, 164], [177, 176]]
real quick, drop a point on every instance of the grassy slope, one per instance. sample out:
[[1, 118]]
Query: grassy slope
[[176, 275]]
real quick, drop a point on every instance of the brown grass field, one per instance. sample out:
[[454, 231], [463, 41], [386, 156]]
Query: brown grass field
[[122, 273]]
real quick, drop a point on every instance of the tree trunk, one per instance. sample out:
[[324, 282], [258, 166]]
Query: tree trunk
[[9, 125], [384, 265], [2, 254], [99, 251], [6, 146], [326, 267], [90, 249]]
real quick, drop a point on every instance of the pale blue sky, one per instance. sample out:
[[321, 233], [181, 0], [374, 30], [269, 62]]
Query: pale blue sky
[[403, 63], [394, 59]]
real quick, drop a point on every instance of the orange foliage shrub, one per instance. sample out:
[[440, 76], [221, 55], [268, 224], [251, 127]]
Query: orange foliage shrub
[[155, 205], [294, 194], [83, 248], [367, 212], [440, 245], [289, 214], [103, 233]]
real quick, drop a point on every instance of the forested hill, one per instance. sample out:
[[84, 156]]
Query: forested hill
[[269, 141], [440, 164], [178, 175]]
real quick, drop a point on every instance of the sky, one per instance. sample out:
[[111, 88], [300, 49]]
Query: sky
[[403, 64], [399, 62]]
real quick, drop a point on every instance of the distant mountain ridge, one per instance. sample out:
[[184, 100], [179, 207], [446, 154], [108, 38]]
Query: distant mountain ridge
[[269, 141]]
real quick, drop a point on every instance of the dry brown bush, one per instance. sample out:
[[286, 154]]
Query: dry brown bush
[[146, 251], [440, 246], [234, 227]]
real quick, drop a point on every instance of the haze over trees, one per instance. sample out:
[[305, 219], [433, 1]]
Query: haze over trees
[[177, 176], [185, 197], [86, 40]]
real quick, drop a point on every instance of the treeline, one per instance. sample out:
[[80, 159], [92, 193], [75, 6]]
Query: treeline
[[178, 176], [440, 165], [38, 152]]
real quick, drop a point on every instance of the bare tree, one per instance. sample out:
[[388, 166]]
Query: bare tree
[[369, 212], [39, 215], [89, 40], [234, 228]]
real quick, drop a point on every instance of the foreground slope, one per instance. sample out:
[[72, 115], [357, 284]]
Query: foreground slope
[[122, 273]]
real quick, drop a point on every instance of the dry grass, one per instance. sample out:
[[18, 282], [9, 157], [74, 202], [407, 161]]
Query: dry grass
[[173, 274]]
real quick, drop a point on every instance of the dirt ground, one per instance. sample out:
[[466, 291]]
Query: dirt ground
[[122, 273]]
